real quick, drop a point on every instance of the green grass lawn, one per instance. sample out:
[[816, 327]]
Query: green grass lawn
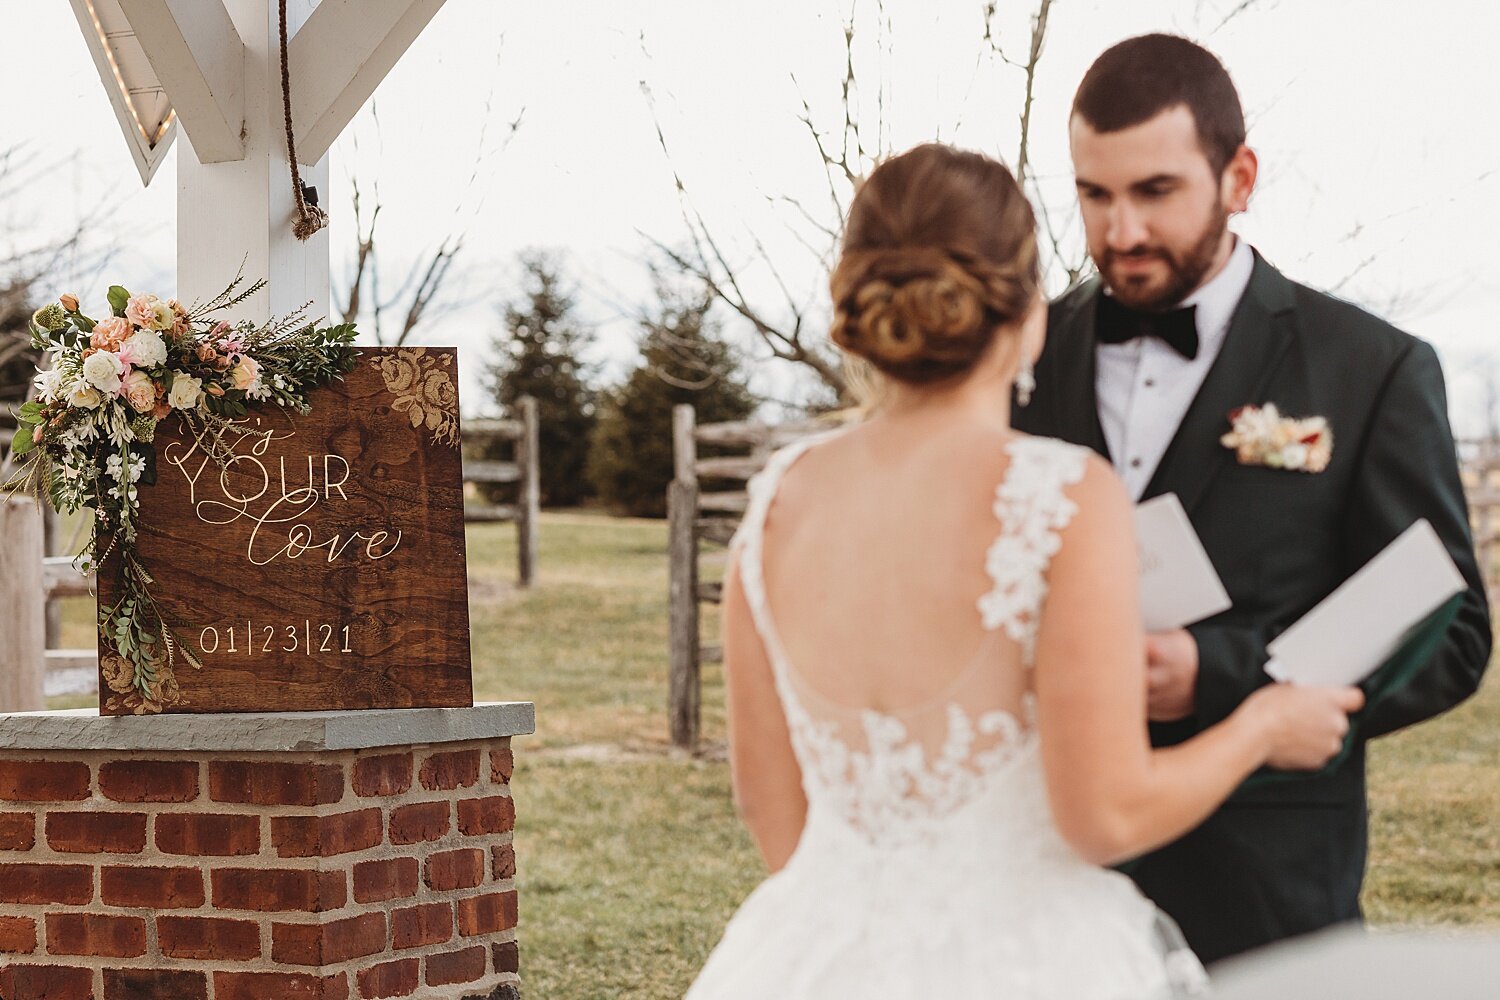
[[630, 856]]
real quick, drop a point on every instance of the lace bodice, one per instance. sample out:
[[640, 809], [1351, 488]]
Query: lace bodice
[[897, 776]]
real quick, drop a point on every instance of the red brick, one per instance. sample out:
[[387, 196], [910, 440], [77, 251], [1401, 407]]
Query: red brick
[[386, 774], [451, 870], [504, 858], [455, 967], [443, 772], [70, 884], [330, 943], [495, 814], [154, 984], [422, 821], [43, 781], [326, 836], [502, 764], [275, 783], [207, 834], [208, 938], [271, 890], [378, 881], [46, 982], [389, 979], [157, 888], [487, 914], [507, 957], [96, 832], [417, 926], [149, 780], [17, 831], [95, 934], [279, 986], [17, 935]]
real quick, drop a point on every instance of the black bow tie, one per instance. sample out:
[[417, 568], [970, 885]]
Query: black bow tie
[[1118, 324]]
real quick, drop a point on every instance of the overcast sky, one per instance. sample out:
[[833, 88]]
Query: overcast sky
[[1377, 124]]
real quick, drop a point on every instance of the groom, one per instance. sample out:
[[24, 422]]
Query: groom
[[1185, 324]]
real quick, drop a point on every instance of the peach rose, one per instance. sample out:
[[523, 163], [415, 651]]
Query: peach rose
[[141, 310], [110, 333], [139, 391]]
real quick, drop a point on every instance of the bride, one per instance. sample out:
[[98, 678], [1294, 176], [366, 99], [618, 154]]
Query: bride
[[937, 693]]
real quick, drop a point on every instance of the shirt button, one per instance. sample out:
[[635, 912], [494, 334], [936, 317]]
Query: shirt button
[[1150, 383], [1135, 463]]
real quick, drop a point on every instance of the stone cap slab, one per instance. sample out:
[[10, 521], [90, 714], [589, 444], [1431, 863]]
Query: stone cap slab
[[250, 732]]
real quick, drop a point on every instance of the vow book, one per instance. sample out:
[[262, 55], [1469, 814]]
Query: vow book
[[1367, 620], [1179, 585]]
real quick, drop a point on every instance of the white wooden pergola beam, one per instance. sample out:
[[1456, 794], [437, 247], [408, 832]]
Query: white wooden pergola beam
[[200, 60], [339, 57], [139, 101]]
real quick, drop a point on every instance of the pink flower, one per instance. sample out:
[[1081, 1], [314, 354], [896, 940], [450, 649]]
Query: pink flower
[[110, 333]]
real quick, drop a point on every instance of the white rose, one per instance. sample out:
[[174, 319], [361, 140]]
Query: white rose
[[186, 391], [103, 370], [47, 385], [144, 349], [84, 396]]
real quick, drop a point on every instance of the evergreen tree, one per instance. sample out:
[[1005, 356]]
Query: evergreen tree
[[683, 360], [537, 355]]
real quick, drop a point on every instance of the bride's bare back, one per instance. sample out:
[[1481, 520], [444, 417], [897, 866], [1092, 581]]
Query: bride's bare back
[[875, 562]]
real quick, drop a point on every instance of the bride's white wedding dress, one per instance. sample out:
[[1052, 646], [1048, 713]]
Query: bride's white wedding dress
[[930, 866]]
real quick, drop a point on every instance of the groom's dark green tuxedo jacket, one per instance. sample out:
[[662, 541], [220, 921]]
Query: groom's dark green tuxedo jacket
[[1288, 857]]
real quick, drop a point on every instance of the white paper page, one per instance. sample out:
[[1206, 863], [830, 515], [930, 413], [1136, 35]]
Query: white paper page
[[1359, 625], [1178, 583]]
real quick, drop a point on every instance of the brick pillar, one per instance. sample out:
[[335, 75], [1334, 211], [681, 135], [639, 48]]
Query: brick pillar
[[244, 874]]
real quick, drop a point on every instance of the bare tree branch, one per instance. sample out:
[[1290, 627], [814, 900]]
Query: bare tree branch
[[417, 296]]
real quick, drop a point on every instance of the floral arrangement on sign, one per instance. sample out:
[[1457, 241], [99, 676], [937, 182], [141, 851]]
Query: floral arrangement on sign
[[86, 438]]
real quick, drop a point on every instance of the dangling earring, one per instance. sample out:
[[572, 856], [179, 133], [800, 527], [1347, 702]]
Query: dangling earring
[[1025, 384]]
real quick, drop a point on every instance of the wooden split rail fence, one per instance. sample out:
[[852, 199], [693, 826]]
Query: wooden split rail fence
[[29, 622], [695, 517]]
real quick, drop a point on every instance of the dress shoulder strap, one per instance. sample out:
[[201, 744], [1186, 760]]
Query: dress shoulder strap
[[1032, 506]]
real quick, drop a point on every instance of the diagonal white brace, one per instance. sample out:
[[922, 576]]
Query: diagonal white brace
[[340, 56], [200, 60]]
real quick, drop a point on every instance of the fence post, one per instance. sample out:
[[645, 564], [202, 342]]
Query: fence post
[[52, 546], [528, 503], [23, 601], [682, 586]]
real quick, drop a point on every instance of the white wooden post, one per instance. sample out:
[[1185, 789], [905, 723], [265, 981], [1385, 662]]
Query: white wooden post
[[240, 213], [23, 600]]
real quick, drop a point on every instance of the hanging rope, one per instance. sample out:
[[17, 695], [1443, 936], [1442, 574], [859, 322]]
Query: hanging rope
[[310, 218]]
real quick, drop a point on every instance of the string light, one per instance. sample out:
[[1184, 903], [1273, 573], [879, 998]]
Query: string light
[[114, 65]]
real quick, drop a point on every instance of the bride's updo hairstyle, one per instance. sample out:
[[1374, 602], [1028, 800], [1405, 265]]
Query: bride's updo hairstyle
[[939, 253]]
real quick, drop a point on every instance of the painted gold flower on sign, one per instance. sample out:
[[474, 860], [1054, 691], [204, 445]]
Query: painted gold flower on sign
[[118, 673], [425, 391]]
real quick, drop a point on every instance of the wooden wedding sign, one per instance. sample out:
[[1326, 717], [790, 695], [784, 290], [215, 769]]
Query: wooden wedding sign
[[322, 567]]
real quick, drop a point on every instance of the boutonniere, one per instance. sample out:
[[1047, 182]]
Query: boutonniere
[[1262, 436]]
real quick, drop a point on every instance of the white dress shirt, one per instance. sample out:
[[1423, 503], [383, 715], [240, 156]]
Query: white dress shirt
[[1144, 387]]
